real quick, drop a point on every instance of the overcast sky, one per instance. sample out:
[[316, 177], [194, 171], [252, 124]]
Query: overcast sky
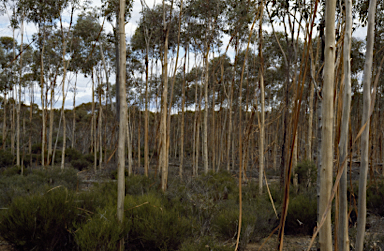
[[84, 93]]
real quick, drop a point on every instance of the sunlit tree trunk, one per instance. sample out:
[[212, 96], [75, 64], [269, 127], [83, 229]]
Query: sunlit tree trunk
[[5, 101], [325, 234], [122, 119], [366, 82]]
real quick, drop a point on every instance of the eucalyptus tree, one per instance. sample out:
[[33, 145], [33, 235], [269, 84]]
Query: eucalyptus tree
[[111, 10], [207, 20], [41, 13], [365, 122]]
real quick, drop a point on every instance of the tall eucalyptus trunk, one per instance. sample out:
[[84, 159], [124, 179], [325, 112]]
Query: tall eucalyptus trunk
[[367, 75], [206, 105], [342, 228], [19, 96], [163, 161], [262, 103], [325, 234], [122, 118]]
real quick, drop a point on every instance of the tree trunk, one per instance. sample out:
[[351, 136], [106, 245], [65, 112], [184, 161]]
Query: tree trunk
[[367, 75], [163, 161], [325, 234], [182, 117], [19, 101], [262, 103], [122, 119], [342, 228], [206, 105], [42, 99], [74, 115]]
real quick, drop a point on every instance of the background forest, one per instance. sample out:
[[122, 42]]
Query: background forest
[[219, 92]]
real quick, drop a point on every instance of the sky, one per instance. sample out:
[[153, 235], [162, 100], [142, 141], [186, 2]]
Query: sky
[[84, 85]]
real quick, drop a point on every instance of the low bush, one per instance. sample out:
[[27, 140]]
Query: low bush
[[13, 185], [100, 232], [80, 164], [72, 154], [375, 198], [152, 225], [41, 221], [302, 214], [206, 243], [6, 158], [307, 173]]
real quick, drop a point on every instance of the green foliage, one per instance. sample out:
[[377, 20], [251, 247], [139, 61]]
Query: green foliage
[[139, 184], [41, 221], [90, 157], [206, 243], [36, 148], [72, 154], [306, 172], [375, 197], [6, 158], [80, 164], [154, 226], [13, 185], [302, 214], [101, 232]]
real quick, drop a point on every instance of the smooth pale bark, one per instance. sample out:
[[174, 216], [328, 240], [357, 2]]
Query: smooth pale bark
[[5, 100], [194, 151], [14, 99], [51, 115], [122, 119], [325, 234], [42, 99], [146, 120], [74, 115], [310, 106], [129, 143], [93, 124], [100, 130], [367, 75], [163, 161], [206, 105], [182, 117], [262, 103], [65, 65], [342, 228], [230, 111], [19, 96]]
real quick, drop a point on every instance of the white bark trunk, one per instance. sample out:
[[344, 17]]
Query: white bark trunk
[[367, 75], [325, 234]]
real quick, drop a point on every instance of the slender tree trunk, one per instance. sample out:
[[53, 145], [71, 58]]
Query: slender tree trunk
[[367, 75], [42, 98], [206, 102], [74, 115], [182, 117], [100, 130], [19, 101], [129, 143], [262, 102], [325, 234], [122, 119], [342, 234], [195, 135], [146, 122], [163, 164], [5, 101], [311, 97]]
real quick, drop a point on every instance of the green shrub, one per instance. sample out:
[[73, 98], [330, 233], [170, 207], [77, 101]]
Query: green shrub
[[90, 157], [72, 154], [80, 164], [36, 148], [140, 184], [206, 243], [302, 214], [101, 232], [153, 226], [307, 173], [41, 221], [6, 158], [375, 197], [13, 185]]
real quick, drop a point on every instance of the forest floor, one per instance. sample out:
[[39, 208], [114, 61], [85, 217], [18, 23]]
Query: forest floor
[[374, 229]]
